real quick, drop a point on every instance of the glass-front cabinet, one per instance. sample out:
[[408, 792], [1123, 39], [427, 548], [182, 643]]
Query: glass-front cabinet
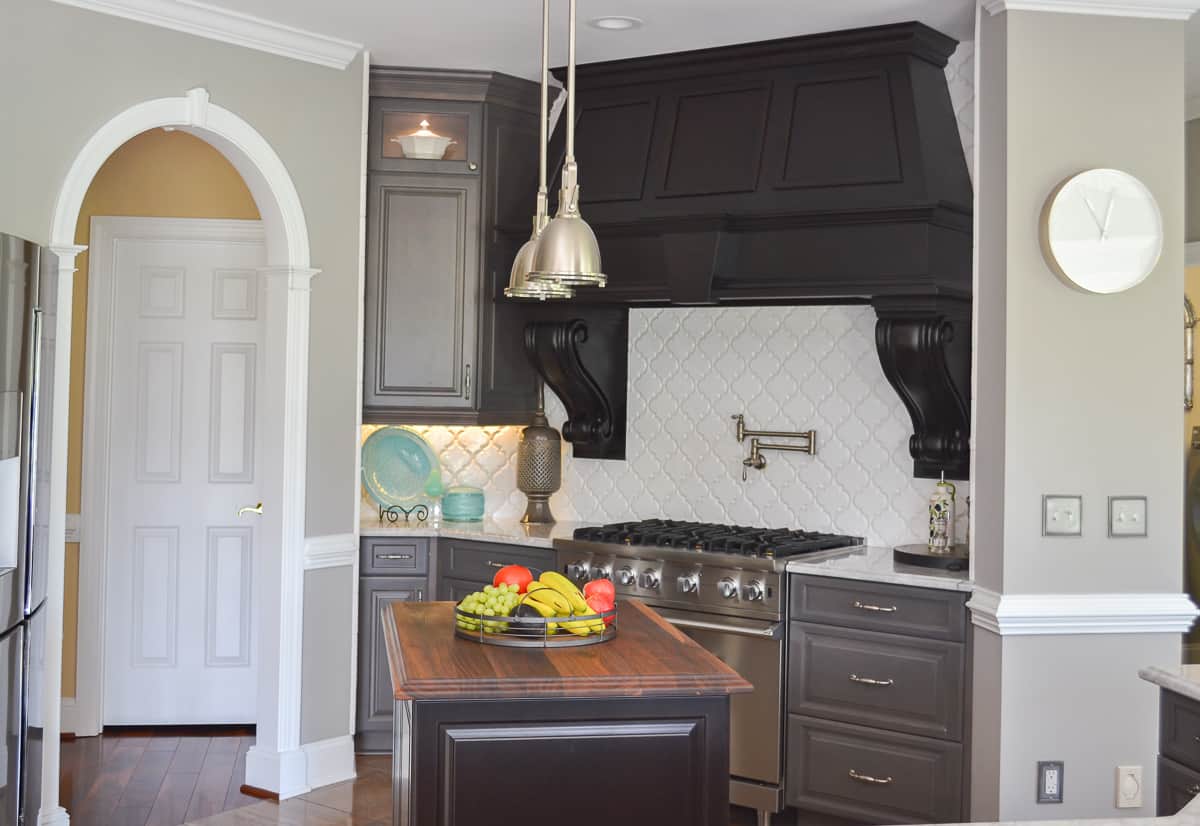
[[426, 136]]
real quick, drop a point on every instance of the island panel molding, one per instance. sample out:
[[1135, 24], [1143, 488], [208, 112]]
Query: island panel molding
[[1161, 9], [231, 27], [1041, 614]]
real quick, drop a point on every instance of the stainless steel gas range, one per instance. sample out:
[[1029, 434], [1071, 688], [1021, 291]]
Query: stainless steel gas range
[[723, 585]]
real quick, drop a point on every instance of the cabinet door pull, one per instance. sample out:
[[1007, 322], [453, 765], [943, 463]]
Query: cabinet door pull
[[393, 556], [1193, 789], [866, 778], [854, 678], [467, 382], [882, 609]]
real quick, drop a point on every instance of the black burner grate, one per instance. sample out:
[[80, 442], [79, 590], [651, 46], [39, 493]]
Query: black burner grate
[[729, 539]]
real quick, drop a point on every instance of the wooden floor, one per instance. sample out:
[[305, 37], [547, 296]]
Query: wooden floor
[[134, 778]]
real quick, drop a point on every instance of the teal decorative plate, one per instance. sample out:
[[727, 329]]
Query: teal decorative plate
[[399, 467]]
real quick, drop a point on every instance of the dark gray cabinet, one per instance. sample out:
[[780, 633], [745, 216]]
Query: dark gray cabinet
[[383, 559], [441, 344], [1179, 752], [464, 566], [877, 727]]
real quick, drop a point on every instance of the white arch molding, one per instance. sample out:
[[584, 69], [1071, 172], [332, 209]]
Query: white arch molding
[[276, 762]]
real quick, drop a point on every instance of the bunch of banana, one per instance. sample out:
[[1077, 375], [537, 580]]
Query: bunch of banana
[[553, 595]]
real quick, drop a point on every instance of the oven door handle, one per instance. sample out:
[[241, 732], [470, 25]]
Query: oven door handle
[[769, 631]]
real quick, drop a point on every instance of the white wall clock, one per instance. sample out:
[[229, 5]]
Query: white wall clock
[[1102, 231]]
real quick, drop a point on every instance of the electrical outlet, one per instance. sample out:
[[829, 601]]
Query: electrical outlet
[[1050, 781], [1129, 787]]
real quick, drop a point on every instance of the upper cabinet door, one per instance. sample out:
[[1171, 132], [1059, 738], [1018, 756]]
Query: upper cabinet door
[[426, 136], [422, 293]]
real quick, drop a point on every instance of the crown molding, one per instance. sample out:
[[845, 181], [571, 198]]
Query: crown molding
[[1041, 614], [1161, 9], [203, 20]]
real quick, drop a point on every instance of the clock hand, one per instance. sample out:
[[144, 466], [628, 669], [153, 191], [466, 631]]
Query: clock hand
[[1107, 215], [1092, 212]]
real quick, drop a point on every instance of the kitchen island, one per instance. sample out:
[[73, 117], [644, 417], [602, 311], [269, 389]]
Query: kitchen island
[[635, 730]]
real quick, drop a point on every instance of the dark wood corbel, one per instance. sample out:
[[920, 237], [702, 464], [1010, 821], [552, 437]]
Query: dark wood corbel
[[924, 347], [584, 361]]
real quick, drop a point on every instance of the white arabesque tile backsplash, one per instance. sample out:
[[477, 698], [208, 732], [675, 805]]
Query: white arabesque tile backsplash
[[690, 370]]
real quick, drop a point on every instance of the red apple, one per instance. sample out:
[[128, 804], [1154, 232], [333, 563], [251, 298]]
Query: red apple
[[601, 586], [517, 575], [600, 603]]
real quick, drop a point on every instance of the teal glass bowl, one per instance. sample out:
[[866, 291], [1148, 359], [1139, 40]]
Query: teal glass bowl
[[462, 503]]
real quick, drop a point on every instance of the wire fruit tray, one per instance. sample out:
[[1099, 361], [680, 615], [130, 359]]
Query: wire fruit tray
[[536, 632]]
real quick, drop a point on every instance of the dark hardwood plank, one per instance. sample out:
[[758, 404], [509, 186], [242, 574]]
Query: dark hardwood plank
[[233, 796], [108, 784], [173, 799], [189, 757], [147, 777], [212, 785]]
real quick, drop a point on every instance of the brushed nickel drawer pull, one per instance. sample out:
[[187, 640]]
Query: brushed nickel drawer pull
[[866, 778], [1196, 738], [854, 678], [1193, 789], [393, 556], [866, 606], [496, 564]]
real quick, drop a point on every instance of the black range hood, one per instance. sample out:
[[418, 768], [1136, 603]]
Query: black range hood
[[824, 169]]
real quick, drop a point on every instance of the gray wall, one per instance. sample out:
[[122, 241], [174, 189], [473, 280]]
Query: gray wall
[[67, 71], [1192, 137], [1078, 394], [325, 670]]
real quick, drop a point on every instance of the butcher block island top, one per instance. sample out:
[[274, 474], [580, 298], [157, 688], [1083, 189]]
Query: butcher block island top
[[648, 657]]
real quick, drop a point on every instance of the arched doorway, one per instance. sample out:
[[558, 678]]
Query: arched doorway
[[275, 763]]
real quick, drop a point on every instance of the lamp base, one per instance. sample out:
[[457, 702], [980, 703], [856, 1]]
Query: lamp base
[[537, 511]]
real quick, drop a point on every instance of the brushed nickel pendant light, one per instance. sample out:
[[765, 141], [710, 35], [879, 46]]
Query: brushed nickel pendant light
[[519, 284], [567, 252]]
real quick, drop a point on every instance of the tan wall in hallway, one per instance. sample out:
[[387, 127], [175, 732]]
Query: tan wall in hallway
[[157, 174]]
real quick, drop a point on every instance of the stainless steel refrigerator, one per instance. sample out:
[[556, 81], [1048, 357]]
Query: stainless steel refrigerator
[[28, 284]]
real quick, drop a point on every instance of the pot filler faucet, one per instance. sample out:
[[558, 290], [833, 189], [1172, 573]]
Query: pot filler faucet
[[756, 460]]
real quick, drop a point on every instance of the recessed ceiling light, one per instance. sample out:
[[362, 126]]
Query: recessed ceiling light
[[616, 23]]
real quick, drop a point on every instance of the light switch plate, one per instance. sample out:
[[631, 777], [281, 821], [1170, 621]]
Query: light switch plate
[[1126, 516], [1062, 515]]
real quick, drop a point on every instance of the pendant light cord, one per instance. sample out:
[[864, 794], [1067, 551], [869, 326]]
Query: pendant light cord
[[571, 87], [544, 126]]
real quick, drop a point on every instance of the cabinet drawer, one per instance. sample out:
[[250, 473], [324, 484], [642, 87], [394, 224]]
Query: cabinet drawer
[[873, 776], [896, 609], [394, 556], [478, 561], [1179, 729], [899, 683], [1177, 786]]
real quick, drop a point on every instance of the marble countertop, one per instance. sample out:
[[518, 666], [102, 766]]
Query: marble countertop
[[1189, 815], [508, 531], [876, 565], [1182, 679]]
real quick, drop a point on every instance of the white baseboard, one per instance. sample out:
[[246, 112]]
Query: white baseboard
[[54, 816], [1031, 614], [284, 773], [329, 551], [330, 761], [70, 719]]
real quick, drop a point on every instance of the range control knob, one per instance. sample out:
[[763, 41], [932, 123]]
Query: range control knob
[[577, 571], [754, 591], [649, 579], [601, 572], [688, 583], [727, 588], [626, 576]]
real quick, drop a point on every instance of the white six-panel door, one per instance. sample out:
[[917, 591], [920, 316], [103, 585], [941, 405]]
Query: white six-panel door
[[186, 346]]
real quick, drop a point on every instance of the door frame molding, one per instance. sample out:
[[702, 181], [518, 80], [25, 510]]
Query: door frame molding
[[106, 232], [276, 762]]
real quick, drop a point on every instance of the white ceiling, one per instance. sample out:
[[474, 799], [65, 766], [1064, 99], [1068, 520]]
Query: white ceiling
[[504, 34]]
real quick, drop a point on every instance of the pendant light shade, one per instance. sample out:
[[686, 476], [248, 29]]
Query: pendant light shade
[[567, 252], [519, 283]]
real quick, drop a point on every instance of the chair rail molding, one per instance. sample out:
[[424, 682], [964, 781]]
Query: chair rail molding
[[331, 551], [1162, 9], [203, 20], [1045, 614]]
